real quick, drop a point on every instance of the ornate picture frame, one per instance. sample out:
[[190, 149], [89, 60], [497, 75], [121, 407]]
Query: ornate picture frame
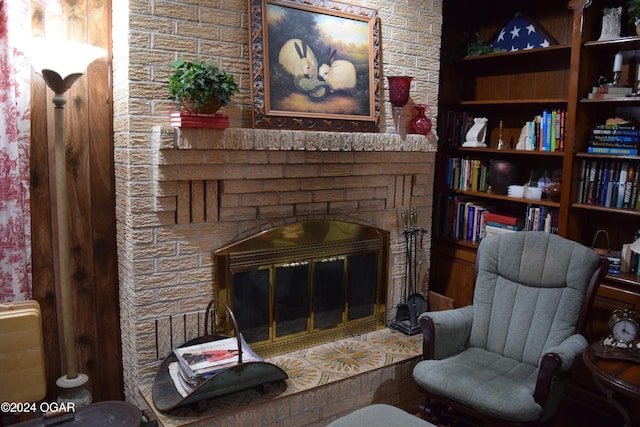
[[314, 65]]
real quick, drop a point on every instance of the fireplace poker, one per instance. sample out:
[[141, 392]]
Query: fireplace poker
[[405, 231], [415, 250]]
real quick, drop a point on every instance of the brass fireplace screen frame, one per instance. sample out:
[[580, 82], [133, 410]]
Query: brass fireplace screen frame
[[306, 243]]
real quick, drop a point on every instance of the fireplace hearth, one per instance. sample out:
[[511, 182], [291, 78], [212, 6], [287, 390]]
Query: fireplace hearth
[[303, 284]]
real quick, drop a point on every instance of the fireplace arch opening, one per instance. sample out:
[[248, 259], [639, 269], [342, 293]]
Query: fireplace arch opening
[[303, 284]]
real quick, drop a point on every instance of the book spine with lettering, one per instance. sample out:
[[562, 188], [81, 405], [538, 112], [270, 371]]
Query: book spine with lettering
[[604, 183], [591, 182], [622, 182], [562, 129], [475, 175], [583, 163], [615, 138], [552, 137], [628, 187], [546, 145], [469, 221], [608, 191], [613, 150], [614, 144], [621, 132], [634, 189], [616, 127]]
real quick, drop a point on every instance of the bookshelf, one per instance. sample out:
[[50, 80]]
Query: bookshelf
[[513, 87]]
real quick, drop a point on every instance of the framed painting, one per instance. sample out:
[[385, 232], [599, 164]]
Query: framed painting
[[314, 65]]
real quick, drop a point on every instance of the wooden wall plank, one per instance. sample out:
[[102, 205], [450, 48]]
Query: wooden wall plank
[[100, 101], [78, 140]]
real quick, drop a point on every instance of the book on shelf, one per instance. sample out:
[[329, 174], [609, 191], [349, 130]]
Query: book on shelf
[[509, 227], [183, 119], [613, 144], [613, 150], [504, 219], [491, 230], [541, 218], [614, 138], [609, 92], [616, 131], [197, 363]]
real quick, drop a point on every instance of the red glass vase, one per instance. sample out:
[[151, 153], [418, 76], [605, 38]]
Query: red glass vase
[[399, 90], [421, 123]]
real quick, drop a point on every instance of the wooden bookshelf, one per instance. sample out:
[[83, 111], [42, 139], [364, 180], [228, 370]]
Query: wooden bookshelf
[[514, 86]]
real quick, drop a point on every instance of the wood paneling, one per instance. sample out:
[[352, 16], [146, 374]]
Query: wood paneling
[[91, 204]]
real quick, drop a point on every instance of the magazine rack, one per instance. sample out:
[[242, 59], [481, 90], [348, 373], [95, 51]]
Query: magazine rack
[[241, 376]]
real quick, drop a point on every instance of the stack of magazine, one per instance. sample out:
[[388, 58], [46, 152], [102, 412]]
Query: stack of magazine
[[199, 362]]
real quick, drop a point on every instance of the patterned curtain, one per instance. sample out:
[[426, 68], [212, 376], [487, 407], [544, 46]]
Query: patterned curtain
[[15, 207]]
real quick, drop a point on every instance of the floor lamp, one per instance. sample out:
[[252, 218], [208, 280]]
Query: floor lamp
[[61, 63]]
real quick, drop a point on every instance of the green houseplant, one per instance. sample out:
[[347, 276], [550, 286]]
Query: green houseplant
[[200, 86], [633, 8]]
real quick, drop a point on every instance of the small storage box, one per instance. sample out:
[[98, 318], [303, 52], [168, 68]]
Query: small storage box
[[22, 374]]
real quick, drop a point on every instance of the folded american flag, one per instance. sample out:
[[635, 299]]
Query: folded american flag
[[520, 33]]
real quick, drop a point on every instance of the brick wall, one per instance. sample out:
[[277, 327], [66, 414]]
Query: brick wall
[[180, 197]]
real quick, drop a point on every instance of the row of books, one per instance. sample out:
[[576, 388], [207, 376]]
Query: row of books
[[472, 220], [614, 139], [609, 92], [546, 132], [609, 183], [467, 174], [457, 125], [199, 362]]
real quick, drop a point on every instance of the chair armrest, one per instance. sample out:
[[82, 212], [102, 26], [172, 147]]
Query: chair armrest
[[445, 333], [568, 350], [556, 361]]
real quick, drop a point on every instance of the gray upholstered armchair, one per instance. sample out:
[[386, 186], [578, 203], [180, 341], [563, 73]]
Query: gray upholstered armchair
[[507, 357]]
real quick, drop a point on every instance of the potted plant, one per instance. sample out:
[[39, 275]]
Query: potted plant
[[633, 8], [200, 86]]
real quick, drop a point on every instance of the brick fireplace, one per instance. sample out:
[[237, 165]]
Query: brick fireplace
[[213, 187], [182, 194]]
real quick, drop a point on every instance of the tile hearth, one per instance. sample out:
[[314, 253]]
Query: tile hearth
[[352, 361]]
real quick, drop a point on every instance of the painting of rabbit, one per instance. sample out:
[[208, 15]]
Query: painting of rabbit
[[320, 64]]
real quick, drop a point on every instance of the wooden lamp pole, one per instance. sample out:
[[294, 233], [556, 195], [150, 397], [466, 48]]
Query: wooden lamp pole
[[61, 63]]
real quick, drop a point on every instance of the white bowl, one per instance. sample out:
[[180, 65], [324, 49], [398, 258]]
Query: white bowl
[[515, 191], [533, 193]]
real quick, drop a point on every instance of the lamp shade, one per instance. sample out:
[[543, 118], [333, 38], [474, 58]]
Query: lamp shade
[[65, 57]]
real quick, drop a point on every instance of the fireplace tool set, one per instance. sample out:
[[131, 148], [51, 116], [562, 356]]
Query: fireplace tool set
[[413, 302]]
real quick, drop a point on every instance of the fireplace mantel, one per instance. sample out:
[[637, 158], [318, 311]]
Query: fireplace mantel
[[294, 140]]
